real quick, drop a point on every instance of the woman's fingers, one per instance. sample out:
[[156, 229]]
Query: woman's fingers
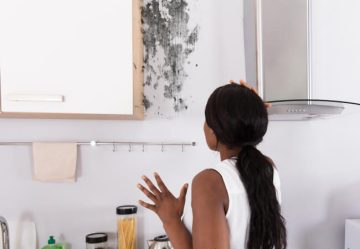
[[160, 183], [267, 105], [147, 205], [151, 186], [150, 195], [244, 83], [183, 192], [182, 198]]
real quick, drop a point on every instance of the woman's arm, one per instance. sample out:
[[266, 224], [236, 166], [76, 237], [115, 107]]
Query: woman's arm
[[209, 204], [169, 209], [178, 234]]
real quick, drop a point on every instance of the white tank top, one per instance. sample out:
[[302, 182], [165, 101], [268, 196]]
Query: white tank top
[[238, 213]]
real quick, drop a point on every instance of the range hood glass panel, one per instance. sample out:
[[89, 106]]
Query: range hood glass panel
[[285, 51], [305, 109]]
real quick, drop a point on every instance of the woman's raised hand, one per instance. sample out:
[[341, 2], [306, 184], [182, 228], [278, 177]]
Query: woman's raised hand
[[166, 205], [243, 83]]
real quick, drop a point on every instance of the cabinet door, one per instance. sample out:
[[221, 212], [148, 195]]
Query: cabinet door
[[68, 56]]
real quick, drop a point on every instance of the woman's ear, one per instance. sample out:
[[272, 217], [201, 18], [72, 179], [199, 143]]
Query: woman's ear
[[211, 138], [215, 139]]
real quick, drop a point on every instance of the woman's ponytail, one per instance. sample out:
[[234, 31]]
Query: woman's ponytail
[[267, 226]]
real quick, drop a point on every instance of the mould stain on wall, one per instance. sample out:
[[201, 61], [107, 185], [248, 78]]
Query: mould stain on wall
[[168, 42]]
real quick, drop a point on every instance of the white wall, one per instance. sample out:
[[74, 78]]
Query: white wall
[[108, 179], [318, 161]]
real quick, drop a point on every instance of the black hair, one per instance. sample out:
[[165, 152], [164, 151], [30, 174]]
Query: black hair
[[239, 119]]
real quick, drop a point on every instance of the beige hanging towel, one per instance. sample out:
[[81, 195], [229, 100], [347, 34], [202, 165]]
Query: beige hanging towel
[[54, 162]]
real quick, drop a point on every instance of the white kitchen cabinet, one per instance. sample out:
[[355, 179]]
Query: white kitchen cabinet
[[71, 58]]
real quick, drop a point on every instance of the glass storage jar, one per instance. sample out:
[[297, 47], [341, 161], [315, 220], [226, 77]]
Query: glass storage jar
[[126, 226], [96, 241]]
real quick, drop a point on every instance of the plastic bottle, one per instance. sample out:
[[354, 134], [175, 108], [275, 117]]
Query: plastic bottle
[[63, 245], [51, 244]]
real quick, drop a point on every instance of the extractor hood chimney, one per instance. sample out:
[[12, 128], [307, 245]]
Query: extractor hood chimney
[[283, 51]]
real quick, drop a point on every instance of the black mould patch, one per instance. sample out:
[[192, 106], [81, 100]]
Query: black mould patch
[[180, 105], [168, 42], [193, 37], [148, 80], [147, 103]]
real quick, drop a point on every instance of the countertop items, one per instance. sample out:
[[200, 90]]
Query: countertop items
[[25, 235], [160, 242], [4, 234], [17, 234], [126, 226], [52, 244], [96, 241], [352, 234]]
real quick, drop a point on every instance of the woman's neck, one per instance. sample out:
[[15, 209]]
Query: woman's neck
[[226, 153]]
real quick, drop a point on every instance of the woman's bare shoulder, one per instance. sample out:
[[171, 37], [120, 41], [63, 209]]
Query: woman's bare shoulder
[[207, 176], [210, 183]]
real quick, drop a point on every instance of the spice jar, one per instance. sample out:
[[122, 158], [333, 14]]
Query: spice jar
[[126, 225], [96, 241]]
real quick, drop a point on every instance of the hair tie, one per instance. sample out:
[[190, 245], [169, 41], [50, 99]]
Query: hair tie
[[248, 146]]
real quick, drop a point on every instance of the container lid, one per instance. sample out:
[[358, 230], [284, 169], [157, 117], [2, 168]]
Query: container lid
[[94, 238], [161, 238], [127, 209], [51, 240]]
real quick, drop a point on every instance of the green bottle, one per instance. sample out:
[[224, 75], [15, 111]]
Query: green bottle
[[51, 244]]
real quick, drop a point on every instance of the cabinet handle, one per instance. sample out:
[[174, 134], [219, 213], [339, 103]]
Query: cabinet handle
[[34, 98]]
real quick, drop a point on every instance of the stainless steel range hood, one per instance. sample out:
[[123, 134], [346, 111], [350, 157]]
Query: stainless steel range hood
[[283, 60], [305, 109]]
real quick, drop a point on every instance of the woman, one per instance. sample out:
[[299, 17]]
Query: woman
[[235, 204]]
